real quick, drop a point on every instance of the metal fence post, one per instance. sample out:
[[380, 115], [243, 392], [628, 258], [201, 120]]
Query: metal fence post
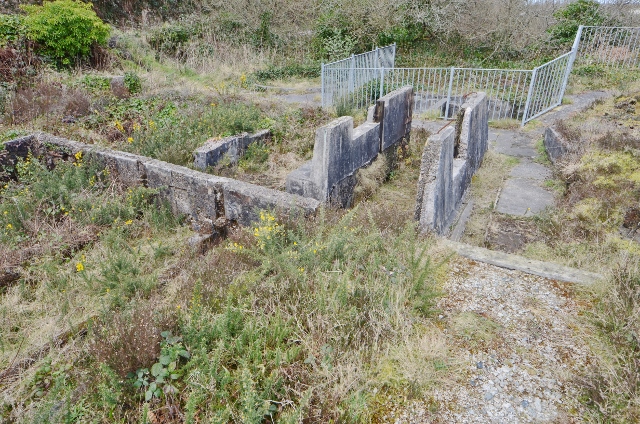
[[393, 57], [381, 81], [572, 59], [322, 93], [377, 61], [351, 71], [529, 96], [446, 109]]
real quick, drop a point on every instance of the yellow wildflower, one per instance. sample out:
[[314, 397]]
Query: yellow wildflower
[[130, 139], [9, 226], [79, 267], [128, 222]]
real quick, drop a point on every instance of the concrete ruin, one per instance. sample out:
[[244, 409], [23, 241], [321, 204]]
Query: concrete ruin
[[340, 150], [208, 200], [213, 151], [449, 161], [555, 144]]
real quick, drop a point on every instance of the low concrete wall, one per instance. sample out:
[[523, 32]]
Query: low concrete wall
[[210, 153], [202, 197], [555, 144], [394, 111], [445, 176], [436, 201], [340, 150]]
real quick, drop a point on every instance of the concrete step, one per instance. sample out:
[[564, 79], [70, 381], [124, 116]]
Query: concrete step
[[519, 263]]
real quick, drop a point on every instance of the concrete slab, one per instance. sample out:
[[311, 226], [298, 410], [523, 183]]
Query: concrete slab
[[523, 197], [512, 143], [431, 126], [531, 170], [530, 266]]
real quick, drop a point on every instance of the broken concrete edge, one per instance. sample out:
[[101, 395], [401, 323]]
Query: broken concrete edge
[[341, 150], [444, 179], [519, 263], [555, 144], [201, 197], [233, 147]]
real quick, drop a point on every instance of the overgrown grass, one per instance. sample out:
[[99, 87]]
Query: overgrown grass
[[612, 389], [288, 320]]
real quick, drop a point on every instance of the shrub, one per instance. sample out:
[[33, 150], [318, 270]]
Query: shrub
[[65, 29], [11, 29], [132, 82], [570, 17]]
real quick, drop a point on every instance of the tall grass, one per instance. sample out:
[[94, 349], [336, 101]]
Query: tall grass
[[612, 383]]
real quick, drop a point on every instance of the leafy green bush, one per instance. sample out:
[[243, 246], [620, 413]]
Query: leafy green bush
[[132, 82], [11, 29], [65, 29], [334, 39], [574, 14]]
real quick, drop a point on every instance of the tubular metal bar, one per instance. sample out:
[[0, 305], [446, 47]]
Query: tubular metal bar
[[618, 47], [547, 88]]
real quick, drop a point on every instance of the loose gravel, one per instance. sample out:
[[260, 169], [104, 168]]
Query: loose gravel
[[517, 338]]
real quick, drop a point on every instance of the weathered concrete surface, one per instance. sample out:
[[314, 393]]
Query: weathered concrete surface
[[395, 112], [474, 134], [332, 142], [523, 197], [435, 189], [531, 170], [512, 143], [530, 266], [554, 144], [212, 151], [444, 180], [340, 150], [202, 197]]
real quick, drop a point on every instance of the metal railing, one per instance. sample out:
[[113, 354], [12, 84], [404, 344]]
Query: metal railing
[[611, 46], [341, 76], [548, 83], [513, 93]]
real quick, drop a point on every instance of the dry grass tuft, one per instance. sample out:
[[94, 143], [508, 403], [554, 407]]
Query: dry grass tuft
[[612, 382], [129, 340]]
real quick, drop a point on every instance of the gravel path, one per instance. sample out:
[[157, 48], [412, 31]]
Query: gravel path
[[515, 336]]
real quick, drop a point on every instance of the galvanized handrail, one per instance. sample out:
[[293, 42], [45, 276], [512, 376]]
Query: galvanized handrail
[[520, 94]]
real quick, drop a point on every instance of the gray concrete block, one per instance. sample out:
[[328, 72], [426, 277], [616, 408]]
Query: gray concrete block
[[436, 179], [461, 178], [212, 152], [365, 144], [332, 141], [474, 134], [299, 182], [243, 202], [555, 144], [395, 111]]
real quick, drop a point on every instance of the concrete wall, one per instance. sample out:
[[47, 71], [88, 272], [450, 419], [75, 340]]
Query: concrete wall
[[212, 152], [202, 197], [555, 145], [436, 201], [394, 111], [444, 178], [340, 150]]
